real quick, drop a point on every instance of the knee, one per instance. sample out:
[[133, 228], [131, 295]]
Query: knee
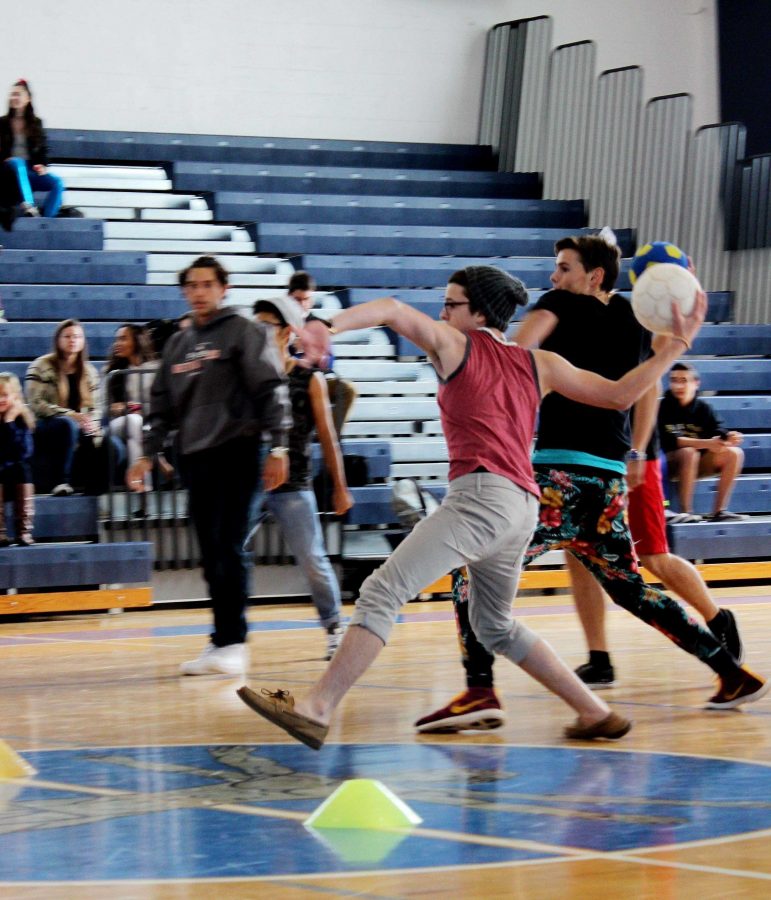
[[735, 457]]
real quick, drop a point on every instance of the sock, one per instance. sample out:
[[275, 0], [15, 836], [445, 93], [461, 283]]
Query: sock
[[717, 624], [599, 658]]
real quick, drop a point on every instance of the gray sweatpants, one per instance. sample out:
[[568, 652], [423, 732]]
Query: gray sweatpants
[[486, 522]]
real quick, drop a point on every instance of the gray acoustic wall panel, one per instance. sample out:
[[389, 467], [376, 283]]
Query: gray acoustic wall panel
[[662, 168], [613, 148], [570, 104]]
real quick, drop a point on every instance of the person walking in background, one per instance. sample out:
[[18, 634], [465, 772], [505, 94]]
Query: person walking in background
[[293, 504], [342, 392], [24, 150], [16, 426], [220, 382]]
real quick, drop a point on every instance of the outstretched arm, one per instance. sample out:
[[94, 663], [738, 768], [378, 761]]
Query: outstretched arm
[[444, 345], [557, 374]]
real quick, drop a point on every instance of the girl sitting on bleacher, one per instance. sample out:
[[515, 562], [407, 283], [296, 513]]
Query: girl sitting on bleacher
[[24, 150], [128, 396], [16, 426], [63, 393]]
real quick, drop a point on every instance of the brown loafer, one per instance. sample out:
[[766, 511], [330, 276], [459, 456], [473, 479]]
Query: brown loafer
[[278, 707], [611, 728]]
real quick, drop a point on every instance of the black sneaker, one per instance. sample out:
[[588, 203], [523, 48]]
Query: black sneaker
[[725, 629], [597, 678]]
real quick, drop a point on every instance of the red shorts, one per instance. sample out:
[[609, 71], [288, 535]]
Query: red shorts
[[646, 513]]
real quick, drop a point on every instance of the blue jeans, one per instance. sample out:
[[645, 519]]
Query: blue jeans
[[30, 181], [297, 514]]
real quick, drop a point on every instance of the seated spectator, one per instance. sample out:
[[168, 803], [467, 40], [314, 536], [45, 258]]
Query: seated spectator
[[63, 393], [128, 396], [293, 504], [16, 426], [342, 393], [696, 445], [24, 149]]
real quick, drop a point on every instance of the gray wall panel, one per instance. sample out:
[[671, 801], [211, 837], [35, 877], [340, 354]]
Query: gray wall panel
[[571, 96], [662, 167], [751, 281], [613, 149], [703, 231], [535, 86]]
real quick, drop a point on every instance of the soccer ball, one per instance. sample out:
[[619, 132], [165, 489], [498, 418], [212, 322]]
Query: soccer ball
[[653, 253], [654, 291]]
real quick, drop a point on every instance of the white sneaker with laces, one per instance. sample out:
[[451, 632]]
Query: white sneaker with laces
[[230, 660], [334, 636]]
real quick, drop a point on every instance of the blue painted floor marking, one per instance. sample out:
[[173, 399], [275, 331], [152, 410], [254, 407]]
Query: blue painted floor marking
[[165, 822]]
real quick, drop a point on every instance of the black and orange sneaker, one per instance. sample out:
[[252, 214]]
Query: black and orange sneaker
[[477, 709], [743, 686]]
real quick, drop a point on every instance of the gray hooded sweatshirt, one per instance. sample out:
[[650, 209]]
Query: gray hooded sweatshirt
[[218, 382]]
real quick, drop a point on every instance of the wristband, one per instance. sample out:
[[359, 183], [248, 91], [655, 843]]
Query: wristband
[[278, 451], [678, 338], [634, 456]]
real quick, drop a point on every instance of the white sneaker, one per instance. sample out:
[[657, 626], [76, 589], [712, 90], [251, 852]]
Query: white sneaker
[[62, 490], [230, 660], [334, 636]]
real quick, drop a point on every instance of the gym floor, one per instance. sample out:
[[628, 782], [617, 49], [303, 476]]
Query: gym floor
[[149, 785]]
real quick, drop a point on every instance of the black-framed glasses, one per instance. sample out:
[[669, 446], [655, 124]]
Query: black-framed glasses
[[451, 304]]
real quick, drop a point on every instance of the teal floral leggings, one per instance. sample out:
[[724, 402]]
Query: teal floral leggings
[[583, 511]]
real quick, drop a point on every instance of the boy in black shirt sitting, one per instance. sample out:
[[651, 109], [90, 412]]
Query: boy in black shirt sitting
[[696, 444]]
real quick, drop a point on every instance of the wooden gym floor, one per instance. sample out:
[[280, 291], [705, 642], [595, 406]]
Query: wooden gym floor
[[149, 785]]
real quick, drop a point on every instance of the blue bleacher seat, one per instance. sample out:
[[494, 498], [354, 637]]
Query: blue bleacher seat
[[272, 237], [338, 179], [356, 209], [73, 518], [733, 340], [751, 494], [140, 146], [60, 565], [28, 340], [72, 267], [54, 234], [51, 303], [736, 540]]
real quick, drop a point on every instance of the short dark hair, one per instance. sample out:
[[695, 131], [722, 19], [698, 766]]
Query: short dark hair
[[301, 281], [595, 253], [685, 367], [205, 262]]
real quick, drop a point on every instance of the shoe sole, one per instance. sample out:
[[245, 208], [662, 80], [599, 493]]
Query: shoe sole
[[599, 685], [747, 698], [486, 721], [301, 728]]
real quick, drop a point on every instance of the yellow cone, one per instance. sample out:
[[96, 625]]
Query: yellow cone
[[12, 765], [363, 803]]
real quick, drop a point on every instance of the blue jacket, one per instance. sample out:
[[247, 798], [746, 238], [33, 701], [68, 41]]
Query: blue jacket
[[15, 443]]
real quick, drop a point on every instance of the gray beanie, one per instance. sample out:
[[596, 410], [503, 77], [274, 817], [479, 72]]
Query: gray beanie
[[495, 294]]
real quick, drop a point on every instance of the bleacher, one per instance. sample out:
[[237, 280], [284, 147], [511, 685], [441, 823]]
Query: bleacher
[[367, 219]]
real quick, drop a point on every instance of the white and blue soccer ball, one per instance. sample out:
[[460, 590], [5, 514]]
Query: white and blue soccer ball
[[654, 291]]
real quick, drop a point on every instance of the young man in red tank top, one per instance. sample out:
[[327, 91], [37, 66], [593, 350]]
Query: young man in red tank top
[[489, 395]]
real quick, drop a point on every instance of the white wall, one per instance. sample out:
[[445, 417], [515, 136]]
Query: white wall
[[366, 69]]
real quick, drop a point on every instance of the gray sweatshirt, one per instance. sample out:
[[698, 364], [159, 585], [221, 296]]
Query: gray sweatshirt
[[217, 382]]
